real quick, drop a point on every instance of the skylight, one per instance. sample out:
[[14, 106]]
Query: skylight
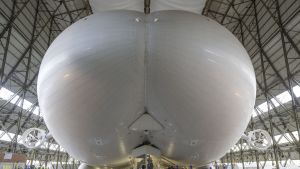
[[6, 95], [283, 98]]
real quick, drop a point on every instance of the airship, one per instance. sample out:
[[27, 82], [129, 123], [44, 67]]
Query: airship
[[120, 84]]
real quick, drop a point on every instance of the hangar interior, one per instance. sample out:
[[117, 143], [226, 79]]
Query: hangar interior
[[268, 29]]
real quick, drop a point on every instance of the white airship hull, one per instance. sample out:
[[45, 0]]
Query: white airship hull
[[195, 6], [191, 74]]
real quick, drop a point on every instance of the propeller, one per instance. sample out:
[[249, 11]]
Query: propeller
[[258, 139], [34, 137]]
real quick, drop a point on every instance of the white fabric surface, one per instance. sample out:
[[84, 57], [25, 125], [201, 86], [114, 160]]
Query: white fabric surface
[[195, 6], [109, 5]]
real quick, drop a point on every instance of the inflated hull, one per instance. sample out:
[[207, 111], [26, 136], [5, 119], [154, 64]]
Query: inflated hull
[[187, 71]]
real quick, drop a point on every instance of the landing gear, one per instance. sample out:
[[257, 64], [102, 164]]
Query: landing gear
[[146, 163]]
